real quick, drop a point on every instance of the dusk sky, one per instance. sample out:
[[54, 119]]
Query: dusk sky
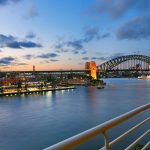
[[64, 34]]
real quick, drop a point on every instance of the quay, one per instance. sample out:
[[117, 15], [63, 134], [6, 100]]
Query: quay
[[28, 92]]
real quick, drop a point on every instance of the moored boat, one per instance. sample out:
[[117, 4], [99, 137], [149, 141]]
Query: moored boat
[[100, 87], [144, 77]]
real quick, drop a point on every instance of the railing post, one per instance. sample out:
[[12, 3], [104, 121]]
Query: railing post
[[106, 140], [101, 129]]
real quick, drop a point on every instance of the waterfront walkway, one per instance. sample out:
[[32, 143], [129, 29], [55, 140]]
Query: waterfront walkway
[[32, 91]]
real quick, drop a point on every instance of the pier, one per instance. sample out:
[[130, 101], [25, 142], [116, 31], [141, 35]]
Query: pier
[[34, 91]]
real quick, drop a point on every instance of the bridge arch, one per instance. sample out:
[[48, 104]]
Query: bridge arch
[[111, 64]]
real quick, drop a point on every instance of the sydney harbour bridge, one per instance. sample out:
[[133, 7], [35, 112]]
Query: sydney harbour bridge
[[128, 63]]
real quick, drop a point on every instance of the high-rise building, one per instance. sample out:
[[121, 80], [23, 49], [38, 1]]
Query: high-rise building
[[33, 68], [92, 67]]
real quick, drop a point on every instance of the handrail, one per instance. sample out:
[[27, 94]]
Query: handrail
[[100, 129], [127, 133], [136, 141]]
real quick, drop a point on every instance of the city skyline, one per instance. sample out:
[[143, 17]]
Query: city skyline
[[65, 34]]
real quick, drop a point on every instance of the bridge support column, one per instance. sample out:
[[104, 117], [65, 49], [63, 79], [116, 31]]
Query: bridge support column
[[93, 69]]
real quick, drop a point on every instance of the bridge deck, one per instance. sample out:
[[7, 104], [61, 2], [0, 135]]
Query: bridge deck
[[45, 71]]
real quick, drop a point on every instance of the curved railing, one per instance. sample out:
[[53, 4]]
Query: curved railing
[[76, 140]]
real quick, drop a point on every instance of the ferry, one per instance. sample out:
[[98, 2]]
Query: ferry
[[144, 77]]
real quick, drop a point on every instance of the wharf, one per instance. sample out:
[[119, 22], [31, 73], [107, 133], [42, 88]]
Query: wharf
[[28, 92]]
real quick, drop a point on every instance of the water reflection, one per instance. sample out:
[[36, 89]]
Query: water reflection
[[90, 97], [62, 92], [37, 121]]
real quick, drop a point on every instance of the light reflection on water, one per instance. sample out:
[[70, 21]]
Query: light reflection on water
[[38, 121]]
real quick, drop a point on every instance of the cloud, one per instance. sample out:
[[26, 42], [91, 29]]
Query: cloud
[[49, 61], [99, 58], [121, 6], [18, 64], [84, 52], [90, 34], [62, 51], [137, 29], [102, 58], [23, 44], [22, 64], [85, 58], [54, 60], [116, 55], [106, 35], [6, 39], [76, 52], [30, 35], [47, 55], [32, 13], [6, 2], [6, 60], [11, 42], [76, 45], [117, 8], [28, 56]]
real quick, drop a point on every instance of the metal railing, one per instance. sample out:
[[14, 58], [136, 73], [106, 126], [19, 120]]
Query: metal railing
[[76, 140]]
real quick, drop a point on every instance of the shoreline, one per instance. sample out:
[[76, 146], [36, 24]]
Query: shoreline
[[35, 91]]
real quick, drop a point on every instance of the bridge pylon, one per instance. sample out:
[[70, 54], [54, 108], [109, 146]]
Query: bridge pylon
[[91, 66]]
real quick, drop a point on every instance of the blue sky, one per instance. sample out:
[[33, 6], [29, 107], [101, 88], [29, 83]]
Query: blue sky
[[64, 34]]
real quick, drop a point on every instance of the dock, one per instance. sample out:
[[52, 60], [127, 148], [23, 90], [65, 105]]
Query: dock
[[29, 92]]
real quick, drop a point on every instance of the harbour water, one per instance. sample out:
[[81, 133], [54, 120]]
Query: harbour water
[[34, 122]]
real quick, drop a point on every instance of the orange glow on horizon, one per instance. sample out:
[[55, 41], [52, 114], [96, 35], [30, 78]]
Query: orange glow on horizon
[[41, 67]]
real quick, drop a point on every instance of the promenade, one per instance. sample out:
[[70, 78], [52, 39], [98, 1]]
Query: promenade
[[14, 92]]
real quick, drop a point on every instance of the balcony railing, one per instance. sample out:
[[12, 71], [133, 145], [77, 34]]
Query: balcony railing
[[102, 129]]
